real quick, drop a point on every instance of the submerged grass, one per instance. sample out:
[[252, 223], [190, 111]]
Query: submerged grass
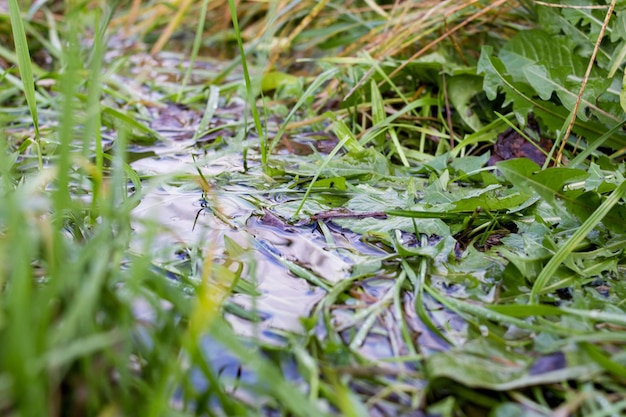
[[455, 286]]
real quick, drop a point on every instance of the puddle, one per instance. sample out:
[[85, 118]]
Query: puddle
[[246, 215], [251, 211], [284, 297]]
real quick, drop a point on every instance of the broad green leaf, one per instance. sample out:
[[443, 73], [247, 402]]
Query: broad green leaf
[[337, 183], [468, 164], [539, 78], [526, 266], [517, 172], [366, 162], [555, 23], [491, 202], [369, 198], [548, 64], [428, 226], [287, 210], [439, 253], [461, 90], [498, 373], [549, 183], [619, 26]]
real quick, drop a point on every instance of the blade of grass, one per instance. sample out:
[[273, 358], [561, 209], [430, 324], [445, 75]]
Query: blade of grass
[[209, 111], [181, 9], [194, 50], [328, 158], [300, 271], [578, 159], [249, 88], [284, 391], [25, 68], [606, 363], [319, 80], [465, 309], [371, 133], [21, 330], [576, 238], [94, 120], [419, 283]]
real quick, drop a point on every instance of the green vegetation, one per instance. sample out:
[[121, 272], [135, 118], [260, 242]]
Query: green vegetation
[[312, 208]]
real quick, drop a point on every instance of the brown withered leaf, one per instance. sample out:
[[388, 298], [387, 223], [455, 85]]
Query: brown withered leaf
[[510, 145]]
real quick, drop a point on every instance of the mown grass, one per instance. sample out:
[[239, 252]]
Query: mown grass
[[494, 290]]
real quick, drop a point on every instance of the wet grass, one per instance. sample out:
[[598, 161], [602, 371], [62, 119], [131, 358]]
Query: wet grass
[[292, 209]]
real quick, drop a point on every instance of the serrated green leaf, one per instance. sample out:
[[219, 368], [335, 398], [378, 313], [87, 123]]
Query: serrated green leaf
[[537, 47], [553, 22], [497, 78], [548, 64], [533, 66], [525, 174], [618, 28]]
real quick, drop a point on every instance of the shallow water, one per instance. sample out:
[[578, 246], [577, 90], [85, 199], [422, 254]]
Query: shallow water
[[285, 298], [244, 207]]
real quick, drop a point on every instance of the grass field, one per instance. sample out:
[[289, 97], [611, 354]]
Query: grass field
[[299, 208]]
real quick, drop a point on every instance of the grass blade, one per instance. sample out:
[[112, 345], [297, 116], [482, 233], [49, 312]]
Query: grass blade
[[574, 240], [26, 71], [249, 88]]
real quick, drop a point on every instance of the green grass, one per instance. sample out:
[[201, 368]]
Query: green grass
[[446, 286]]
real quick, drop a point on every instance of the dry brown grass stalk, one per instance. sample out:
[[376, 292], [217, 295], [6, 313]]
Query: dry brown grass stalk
[[579, 98]]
